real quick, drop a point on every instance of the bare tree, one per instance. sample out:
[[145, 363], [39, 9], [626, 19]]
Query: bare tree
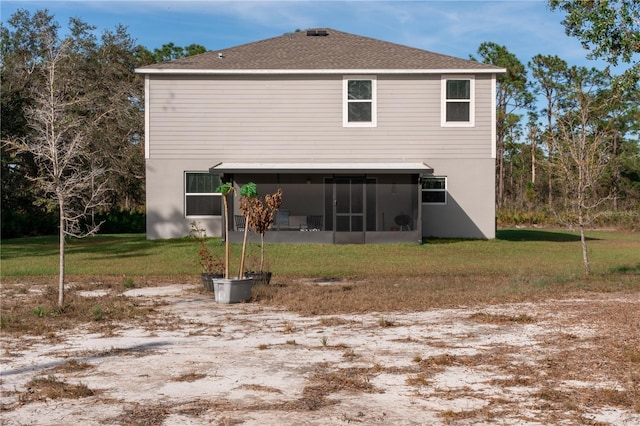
[[260, 216], [103, 71], [60, 120], [582, 149]]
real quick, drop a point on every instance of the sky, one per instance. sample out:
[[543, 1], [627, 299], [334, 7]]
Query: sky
[[452, 27]]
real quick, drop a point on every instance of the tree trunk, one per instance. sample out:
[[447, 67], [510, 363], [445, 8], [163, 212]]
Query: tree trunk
[[616, 172], [582, 163], [226, 236], [533, 167], [550, 112], [244, 247], [61, 257], [585, 253], [533, 155], [262, 252], [550, 172]]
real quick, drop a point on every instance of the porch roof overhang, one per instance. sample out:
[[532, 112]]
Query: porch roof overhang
[[330, 167]]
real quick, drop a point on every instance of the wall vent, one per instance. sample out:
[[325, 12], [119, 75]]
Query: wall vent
[[317, 33]]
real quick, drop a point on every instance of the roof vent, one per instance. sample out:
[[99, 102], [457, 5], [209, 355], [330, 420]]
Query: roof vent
[[220, 55], [317, 33]]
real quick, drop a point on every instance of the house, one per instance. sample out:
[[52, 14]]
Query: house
[[370, 141]]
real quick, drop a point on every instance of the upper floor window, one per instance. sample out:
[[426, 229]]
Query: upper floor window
[[359, 106], [458, 109], [434, 190], [200, 198]]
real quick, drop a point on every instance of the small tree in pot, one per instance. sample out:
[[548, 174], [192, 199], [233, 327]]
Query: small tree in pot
[[248, 197], [225, 189], [227, 289], [260, 216]]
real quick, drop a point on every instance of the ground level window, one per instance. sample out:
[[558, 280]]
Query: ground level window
[[434, 190], [200, 198]]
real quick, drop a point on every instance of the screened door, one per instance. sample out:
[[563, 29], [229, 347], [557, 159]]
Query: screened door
[[350, 208]]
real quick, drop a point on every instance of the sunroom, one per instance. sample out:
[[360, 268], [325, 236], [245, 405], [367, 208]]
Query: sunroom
[[334, 203]]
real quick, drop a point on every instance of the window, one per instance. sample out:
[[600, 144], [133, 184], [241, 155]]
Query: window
[[458, 102], [359, 101], [434, 190], [200, 198]]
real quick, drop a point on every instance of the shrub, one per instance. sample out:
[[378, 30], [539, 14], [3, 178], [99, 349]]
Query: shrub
[[96, 313], [122, 222], [619, 219], [516, 217], [26, 224]]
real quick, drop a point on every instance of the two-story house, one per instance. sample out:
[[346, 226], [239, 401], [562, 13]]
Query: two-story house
[[370, 141]]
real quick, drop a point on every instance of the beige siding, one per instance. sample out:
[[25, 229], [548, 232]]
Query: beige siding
[[300, 118], [470, 208]]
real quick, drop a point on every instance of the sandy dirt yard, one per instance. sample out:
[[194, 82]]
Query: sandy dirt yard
[[200, 363]]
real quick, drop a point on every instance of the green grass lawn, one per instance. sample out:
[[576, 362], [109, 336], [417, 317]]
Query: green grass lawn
[[516, 253], [520, 265]]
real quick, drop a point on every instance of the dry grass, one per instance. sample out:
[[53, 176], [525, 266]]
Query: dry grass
[[288, 327], [260, 388], [486, 318], [333, 321], [450, 415], [30, 307], [355, 379], [386, 322], [52, 388], [612, 353], [326, 381], [594, 340], [608, 358], [189, 377], [143, 415], [72, 366], [420, 379], [392, 294]]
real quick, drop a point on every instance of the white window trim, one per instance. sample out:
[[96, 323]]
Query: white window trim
[[445, 190], [186, 194], [345, 101], [472, 101]]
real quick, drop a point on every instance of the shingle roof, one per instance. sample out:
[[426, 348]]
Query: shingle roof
[[336, 50]]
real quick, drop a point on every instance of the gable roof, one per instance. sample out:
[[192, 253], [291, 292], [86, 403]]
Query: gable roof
[[319, 50]]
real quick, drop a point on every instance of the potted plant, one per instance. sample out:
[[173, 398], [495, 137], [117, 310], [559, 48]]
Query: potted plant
[[233, 289], [212, 264], [260, 216]]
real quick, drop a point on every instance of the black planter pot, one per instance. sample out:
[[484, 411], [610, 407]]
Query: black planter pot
[[259, 277], [207, 280]]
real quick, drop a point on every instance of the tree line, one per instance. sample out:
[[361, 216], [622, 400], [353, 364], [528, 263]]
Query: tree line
[[567, 136], [562, 130], [73, 124], [555, 123]]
